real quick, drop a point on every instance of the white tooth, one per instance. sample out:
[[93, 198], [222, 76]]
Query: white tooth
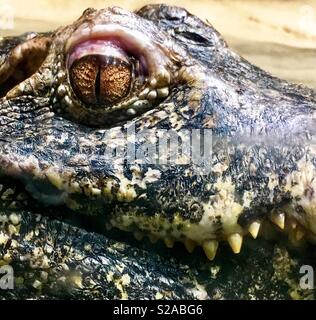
[[189, 245], [235, 241], [138, 235], [278, 219], [254, 229], [210, 248], [144, 93], [169, 242], [131, 112], [152, 95], [163, 92]]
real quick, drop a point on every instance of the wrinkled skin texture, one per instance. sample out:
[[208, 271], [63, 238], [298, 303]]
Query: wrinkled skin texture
[[53, 151]]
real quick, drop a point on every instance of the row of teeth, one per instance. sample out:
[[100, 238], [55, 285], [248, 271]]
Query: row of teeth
[[235, 240]]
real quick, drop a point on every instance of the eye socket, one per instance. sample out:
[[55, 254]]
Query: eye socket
[[100, 80], [102, 72], [114, 74]]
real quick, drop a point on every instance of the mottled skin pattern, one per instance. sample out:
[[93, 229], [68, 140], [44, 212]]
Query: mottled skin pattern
[[262, 164]]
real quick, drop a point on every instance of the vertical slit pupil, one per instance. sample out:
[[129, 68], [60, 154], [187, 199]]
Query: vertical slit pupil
[[97, 86]]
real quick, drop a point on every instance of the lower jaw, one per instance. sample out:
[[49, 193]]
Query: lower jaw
[[269, 228]]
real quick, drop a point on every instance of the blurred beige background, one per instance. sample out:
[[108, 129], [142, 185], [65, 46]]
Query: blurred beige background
[[277, 35]]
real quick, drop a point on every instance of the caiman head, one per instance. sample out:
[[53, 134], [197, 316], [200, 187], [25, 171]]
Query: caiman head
[[151, 122]]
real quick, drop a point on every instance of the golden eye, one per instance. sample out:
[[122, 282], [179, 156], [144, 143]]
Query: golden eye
[[100, 80], [115, 81], [113, 75]]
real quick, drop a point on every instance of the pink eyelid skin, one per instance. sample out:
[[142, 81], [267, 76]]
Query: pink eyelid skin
[[114, 39], [97, 47]]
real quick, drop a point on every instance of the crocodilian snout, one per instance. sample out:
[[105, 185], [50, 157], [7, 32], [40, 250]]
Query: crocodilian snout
[[57, 116]]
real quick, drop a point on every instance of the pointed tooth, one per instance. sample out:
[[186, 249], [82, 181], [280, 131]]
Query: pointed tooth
[[169, 242], [189, 245], [254, 229], [210, 248], [152, 238], [278, 219], [138, 235], [235, 241]]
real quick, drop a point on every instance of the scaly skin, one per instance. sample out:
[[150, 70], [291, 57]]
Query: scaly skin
[[262, 165], [52, 259]]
